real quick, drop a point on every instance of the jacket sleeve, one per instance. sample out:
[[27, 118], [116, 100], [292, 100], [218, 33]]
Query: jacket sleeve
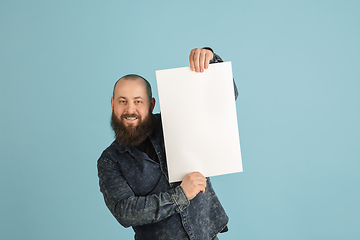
[[131, 210], [217, 59]]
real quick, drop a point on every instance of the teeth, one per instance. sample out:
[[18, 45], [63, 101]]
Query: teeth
[[130, 118]]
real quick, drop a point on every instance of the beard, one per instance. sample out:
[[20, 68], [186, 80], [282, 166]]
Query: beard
[[132, 135]]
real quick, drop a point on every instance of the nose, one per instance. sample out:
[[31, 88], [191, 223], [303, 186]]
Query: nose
[[130, 108]]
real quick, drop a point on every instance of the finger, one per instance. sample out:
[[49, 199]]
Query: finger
[[209, 55], [200, 176], [196, 60], [197, 181], [202, 190], [202, 59], [197, 173], [201, 182], [191, 60], [204, 184]]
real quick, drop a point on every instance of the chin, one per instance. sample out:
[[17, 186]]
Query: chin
[[130, 125]]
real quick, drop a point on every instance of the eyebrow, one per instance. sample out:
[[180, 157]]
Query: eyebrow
[[133, 98]]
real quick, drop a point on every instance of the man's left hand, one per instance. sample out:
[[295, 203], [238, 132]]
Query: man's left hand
[[200, 59]]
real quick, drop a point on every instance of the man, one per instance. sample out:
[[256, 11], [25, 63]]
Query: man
[[133, 172]]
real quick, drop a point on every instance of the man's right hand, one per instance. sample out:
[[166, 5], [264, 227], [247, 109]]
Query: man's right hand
[[193, 183]]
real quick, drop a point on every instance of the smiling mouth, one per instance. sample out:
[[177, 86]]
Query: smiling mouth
[[131, 118]]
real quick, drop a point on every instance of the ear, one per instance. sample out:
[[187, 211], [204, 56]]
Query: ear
[[112, 102], [152, 104]]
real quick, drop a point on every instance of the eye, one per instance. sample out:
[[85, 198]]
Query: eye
[[138, 102], [122, 101]]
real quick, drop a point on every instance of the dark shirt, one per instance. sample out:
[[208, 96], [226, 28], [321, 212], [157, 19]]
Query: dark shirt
[[147, 147]]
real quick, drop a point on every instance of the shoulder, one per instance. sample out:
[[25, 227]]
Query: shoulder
[[158, 131], [112, 151], [157, 116]]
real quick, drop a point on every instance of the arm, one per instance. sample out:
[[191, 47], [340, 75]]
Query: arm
[[131, 210]]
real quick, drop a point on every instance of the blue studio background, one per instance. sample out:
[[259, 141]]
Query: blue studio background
[[297, 67]]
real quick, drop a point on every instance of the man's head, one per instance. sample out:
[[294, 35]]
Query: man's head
[[136, 77], [132, 106]]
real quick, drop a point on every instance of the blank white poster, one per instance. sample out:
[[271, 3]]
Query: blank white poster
[[199, 120]]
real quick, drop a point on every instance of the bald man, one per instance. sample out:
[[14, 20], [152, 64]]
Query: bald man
[[133, 172]]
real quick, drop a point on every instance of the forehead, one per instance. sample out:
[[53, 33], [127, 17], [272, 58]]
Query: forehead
[[130, 88]]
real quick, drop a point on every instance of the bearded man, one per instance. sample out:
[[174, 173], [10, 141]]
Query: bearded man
[[133, 174]]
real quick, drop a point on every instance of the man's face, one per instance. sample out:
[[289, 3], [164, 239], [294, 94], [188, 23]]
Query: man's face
[[132, 119], [130, 102]]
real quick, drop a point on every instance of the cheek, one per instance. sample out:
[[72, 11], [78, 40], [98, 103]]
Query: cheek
[[118, 111], [144, 113]]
